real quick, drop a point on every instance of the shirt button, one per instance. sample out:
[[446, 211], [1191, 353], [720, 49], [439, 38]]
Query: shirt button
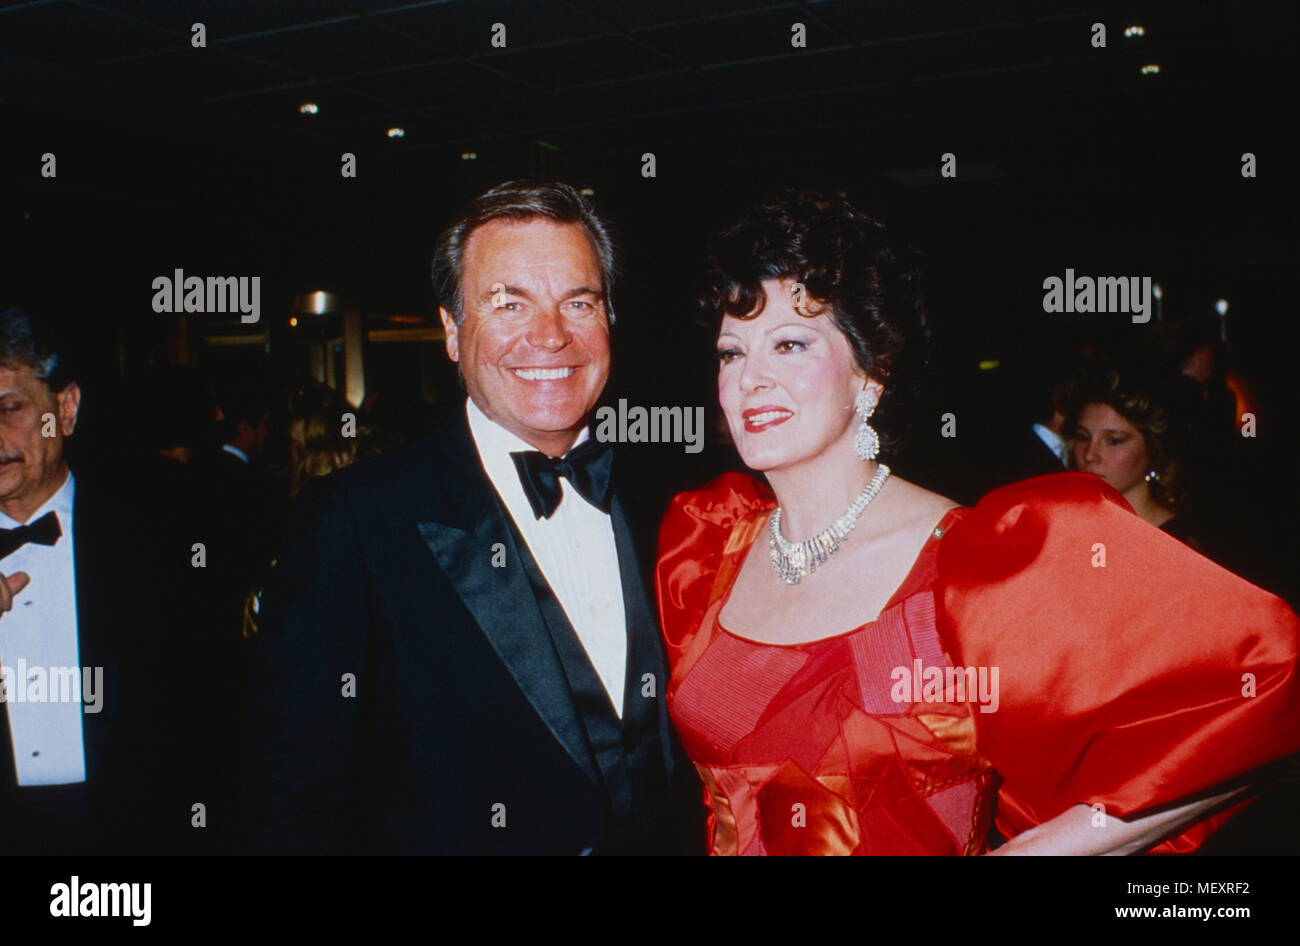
[[938, 532]]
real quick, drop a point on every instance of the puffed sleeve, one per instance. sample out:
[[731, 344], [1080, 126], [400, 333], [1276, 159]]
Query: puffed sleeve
[[1132, 671], [692, 540]]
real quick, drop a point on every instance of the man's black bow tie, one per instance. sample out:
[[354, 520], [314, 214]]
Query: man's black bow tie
[[586, 466], [44, 531]]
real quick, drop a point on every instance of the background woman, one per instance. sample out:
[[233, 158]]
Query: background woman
[[1124, 427], [861, 680]]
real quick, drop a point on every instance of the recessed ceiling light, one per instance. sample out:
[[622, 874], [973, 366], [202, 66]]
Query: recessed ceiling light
[[396, 133], [308, 108], [1151, 69], [588, 192], [469, 155], [1134, 30]]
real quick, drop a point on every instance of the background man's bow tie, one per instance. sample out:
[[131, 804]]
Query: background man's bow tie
[[44, 531], [587, 467]]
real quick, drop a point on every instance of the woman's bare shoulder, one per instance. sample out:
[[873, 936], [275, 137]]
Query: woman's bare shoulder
[[914, 508]]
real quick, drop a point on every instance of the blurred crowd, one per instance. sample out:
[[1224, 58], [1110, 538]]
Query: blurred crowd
[[225, 460]]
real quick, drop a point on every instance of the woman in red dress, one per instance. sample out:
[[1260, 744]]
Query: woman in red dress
[[859, 666]]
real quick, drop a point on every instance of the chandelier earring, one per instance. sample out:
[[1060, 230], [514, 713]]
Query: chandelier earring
[[866, 442]]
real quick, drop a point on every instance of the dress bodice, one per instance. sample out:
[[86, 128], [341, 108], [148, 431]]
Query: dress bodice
[[808, 748]]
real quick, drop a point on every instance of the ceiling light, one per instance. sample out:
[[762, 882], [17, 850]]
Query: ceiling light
[[316, 302], [1134, 30], [308, 108], [396, 133], [1151, 69], [469, 155]]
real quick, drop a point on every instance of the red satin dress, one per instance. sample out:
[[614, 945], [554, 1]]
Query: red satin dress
[[1130, 672]]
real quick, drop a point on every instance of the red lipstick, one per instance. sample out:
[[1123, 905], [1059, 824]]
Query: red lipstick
[[763, 418]]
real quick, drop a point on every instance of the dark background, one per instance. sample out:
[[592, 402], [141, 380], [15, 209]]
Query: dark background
[[171, 156]]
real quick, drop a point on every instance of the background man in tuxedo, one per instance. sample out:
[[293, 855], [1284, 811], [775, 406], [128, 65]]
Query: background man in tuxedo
[[247, 503], [1034, 442], [98, 773], [459, 653]]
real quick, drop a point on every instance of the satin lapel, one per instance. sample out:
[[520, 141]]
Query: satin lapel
[[501, 599], [643, 637]]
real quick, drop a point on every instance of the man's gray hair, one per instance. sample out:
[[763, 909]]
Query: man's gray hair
[[29, 342]]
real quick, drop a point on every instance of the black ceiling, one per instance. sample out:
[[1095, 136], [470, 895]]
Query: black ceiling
[[573, 64], [580, 66], [172, 155]]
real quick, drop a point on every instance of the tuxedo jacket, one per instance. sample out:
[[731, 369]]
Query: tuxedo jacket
[[243, 516], [407, 693], [132, 800]]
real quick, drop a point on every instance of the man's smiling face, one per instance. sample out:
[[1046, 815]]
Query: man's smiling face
[[533, 341]]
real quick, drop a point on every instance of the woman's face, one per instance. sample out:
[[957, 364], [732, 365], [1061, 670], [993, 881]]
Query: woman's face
[[1112, 448], [787, 383]]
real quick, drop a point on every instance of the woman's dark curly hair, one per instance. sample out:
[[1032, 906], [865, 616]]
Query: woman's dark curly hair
[[841, 256]]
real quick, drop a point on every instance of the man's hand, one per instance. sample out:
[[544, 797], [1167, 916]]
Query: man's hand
[[10, 585]]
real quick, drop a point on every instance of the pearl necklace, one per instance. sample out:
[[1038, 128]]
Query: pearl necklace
[[795, 561]]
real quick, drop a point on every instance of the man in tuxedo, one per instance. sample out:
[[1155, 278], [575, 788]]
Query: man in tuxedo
[[85, 763], [1036, 448], [460, 654], [246, 503]]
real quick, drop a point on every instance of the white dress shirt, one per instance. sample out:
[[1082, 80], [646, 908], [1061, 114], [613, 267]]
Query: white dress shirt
[[38, 637], [574, 548], [1055, 442]]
